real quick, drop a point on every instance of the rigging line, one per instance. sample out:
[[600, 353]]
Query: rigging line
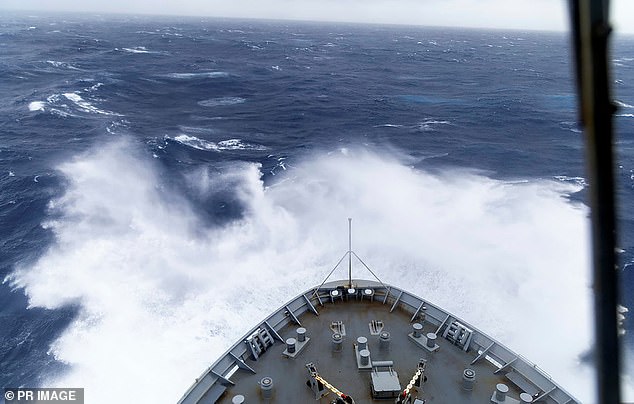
[[368, 268], [333, 270]]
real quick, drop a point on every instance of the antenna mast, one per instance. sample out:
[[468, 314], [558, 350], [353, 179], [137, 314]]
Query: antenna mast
[[349, 252]]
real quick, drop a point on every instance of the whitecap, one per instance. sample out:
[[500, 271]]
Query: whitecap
[[137, 49], [94, 87], [206, 145], [64, 65], [187, 76], [276, 67], [388, 125], [61, 113], [194, 142], [626, 115], [216, 102], [36, 106], [579, 181], [237, 144], [428, 125], [85, 105], [113, 127], [623, 104], [11, 174]]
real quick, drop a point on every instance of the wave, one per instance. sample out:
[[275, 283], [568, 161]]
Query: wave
[[139, 49], [62, 65], [188, 76], [223, 145], [94, 87], [434, 156], [56, 104], [86, 106], [36, 106], [570, 126], [388, 125], [216, 102], [622, 104], [428, 125], [579, 181], [157, 284], [136, 49]]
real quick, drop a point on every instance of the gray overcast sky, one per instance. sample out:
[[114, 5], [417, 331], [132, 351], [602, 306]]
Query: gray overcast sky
[[520, 14]]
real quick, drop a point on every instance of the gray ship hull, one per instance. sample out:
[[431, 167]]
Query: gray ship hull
[[461, 363]]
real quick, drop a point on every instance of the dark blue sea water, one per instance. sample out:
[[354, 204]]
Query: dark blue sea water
[[166, 182]]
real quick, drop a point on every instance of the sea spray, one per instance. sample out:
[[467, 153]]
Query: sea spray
[[163, 293]]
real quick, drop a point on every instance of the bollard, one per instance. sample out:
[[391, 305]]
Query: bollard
[[362, 343], [500, 392], [266, 387], [431, 340], [301, 334], [290, 345], [365, 357], [337, 342], [418, 327], [526, 398], [468, 379], [384, 340]]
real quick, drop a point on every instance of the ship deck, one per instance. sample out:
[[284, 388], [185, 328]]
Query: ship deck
[[261, 354]]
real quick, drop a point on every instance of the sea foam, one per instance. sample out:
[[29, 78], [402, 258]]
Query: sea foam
[[187, 76], [222, 101], [36, 106], [228, 144]]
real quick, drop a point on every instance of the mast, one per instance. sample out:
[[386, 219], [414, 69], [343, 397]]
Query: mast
[[349, 252]]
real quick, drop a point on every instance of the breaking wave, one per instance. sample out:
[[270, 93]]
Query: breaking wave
[[429, 125], [201, 144], [187, 76], [57, 104], [86, 106], [223, 145], [36, 106], [222, 101], [623, 104], [158, 286], [63, 65]]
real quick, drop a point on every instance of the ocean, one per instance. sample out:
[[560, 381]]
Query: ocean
[[166, 182]]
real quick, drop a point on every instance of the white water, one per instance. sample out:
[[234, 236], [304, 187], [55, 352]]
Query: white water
[[162, 295]]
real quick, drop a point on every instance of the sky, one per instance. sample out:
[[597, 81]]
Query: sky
[[549, 15]]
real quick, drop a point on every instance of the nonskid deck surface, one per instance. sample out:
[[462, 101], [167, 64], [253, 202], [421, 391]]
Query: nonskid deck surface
[[444, 367]]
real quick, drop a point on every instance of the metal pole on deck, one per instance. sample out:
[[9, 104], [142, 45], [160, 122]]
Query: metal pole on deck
[[591, 31], [349, 252]]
